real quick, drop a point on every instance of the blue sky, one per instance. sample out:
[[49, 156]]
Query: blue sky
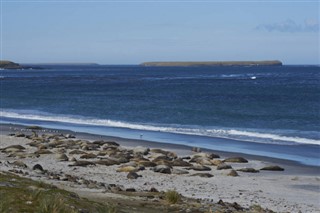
[[131, 32]]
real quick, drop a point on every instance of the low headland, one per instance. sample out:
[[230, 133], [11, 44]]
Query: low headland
[[10, 65], [213, 63], [94, 173], [4, 64]]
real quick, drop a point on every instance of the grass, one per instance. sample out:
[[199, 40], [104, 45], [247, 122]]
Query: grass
[[55, 205], [172, 196], [25, 195], [18, 194]]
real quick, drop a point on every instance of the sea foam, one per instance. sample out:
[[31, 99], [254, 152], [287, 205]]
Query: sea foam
[[244, 135]]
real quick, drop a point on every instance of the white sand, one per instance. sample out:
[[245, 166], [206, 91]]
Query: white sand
[[277, 191]]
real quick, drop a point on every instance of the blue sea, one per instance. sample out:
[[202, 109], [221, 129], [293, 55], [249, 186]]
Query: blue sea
[[267, 111]]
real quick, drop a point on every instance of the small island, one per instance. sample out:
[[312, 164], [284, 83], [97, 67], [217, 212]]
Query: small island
[[4, 64], [213, 63]]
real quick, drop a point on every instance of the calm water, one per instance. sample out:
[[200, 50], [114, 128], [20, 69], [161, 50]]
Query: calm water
[[260, 105]]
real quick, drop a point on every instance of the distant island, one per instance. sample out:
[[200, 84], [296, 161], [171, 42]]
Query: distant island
[[214, 63], [9, 65]]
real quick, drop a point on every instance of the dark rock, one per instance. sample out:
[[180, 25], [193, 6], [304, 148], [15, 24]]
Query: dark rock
[[249, 170], [153, 190], [236, 160], [223, 166], [272, 168], [37, 167], [130, 190], [206, 175], [133, 175]]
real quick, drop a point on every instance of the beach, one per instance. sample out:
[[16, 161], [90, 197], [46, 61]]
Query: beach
[[296, 189]]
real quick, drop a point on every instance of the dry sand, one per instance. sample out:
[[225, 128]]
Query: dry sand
[[294, 190]]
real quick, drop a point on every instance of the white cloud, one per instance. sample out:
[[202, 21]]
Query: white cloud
[[309, 25]]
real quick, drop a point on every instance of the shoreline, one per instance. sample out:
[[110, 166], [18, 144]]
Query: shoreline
[[301, 153], [295, 167], [275, 190]]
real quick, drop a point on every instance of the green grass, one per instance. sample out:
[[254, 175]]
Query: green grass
[[18, 194], [24, 195], [172, 196]]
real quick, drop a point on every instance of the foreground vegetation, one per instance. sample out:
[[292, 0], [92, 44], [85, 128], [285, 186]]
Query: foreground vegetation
[[18, 194], [24, 195]]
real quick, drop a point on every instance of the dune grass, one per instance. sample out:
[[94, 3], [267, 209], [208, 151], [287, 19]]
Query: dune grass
[[25, 195], [172, 196]]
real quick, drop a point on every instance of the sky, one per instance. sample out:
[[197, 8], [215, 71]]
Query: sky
[[132, 32]]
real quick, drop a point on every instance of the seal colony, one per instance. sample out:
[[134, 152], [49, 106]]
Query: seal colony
[[106, 169]]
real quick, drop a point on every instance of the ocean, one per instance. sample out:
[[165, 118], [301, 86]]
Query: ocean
[[267, 111]]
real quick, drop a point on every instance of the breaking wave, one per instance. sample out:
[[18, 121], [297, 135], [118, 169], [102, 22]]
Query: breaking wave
[[244, 135]]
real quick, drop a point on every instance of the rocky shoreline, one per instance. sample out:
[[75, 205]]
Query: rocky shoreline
[[111, 170]]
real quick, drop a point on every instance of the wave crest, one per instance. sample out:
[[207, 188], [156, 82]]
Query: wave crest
[[250, 136]]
